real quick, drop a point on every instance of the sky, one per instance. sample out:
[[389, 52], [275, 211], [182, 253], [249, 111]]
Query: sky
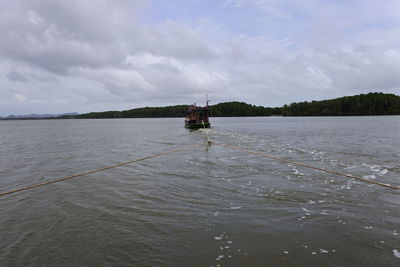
[[60, 56]]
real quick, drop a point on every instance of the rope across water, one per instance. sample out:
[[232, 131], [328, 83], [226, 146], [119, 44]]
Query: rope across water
[[192, 146], [308, 166], [96, 170]]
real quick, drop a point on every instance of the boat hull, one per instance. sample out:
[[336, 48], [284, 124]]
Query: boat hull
[[197, 125]]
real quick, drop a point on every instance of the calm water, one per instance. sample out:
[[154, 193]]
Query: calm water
[[201, 207]]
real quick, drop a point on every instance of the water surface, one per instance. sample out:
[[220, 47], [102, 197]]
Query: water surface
[[204, 206]]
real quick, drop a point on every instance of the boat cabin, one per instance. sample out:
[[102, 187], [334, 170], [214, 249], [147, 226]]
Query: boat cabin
[[197, 117]]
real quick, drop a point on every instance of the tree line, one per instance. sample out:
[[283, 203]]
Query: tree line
[[364, 104], [227, 109]]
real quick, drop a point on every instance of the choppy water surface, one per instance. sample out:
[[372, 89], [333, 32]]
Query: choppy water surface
[[201, 207]]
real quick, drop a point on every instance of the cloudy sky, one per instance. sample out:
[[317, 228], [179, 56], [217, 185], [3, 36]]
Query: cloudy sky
[[93, 55]]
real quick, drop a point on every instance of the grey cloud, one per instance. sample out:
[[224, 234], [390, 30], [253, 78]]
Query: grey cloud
[[47, 34], [84, 55], [59, 35], [15, 76], [176, 41]]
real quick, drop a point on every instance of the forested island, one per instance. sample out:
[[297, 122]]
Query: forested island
[[227, 109], [358, 105], [364, 104]]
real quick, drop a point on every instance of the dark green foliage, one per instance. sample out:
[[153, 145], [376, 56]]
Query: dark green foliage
[[364, 104], [238, 109], [147, 112], [228, 109]]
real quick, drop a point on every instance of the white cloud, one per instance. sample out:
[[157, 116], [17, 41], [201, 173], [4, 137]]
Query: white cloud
[[58, 56]]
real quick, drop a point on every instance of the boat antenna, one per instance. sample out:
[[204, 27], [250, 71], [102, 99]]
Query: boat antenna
[[207, 100]]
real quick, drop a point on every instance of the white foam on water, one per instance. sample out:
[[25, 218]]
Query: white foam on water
[[296, 171], [306, 210], [286, 252], [323, 250], [314, 253], [310, 202], [220, 257], [235, 208], [350, 167], [379, 169], [368, 227], [371, 176], [383, 172], [396, 253], [217, 238]]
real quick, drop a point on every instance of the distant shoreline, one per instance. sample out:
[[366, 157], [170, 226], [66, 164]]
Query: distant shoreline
[[272, 116], [371, 104]]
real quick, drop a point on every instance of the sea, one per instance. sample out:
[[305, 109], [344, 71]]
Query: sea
[[207, 205]]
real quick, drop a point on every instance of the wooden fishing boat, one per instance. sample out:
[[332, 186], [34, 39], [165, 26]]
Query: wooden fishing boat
[[197, 117]]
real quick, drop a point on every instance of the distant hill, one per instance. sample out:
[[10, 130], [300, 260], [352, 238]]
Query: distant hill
[[364, 104], [239, 109], [227, 109], [37, 116], [146, 112]]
